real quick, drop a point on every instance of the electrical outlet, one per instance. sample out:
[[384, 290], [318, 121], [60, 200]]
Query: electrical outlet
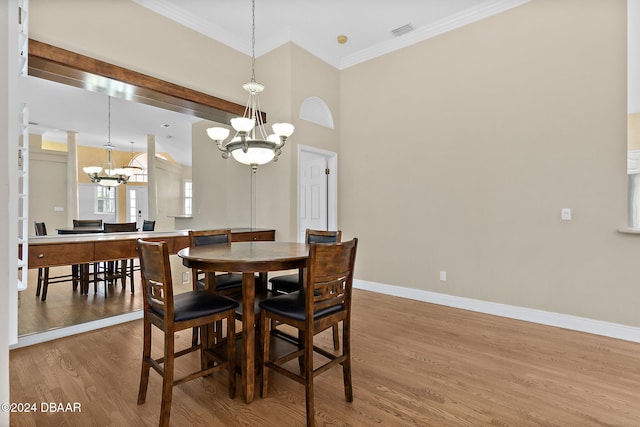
[[565, 214], [443, 276], [185, 277]]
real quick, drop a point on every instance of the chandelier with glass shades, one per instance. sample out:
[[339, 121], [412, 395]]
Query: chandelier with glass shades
[[250, 144], [111, 177]]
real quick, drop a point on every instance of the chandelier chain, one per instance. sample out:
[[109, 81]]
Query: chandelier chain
[[253, 40], [111, 177], [109, 121]]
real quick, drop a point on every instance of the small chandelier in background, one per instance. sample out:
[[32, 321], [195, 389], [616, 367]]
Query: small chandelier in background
[[132, 167], [246, 146], [111, 177]]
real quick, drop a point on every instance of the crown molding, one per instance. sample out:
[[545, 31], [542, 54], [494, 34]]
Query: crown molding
[[442, 26]]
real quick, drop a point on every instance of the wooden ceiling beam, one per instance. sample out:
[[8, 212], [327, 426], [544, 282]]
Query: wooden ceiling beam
[[63, 66]]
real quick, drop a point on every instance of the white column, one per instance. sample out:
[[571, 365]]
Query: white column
[[152, 185], [72, 177]]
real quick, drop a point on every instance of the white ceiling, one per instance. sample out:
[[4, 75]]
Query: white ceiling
[[55, 108], [312, 24], [316, 24]]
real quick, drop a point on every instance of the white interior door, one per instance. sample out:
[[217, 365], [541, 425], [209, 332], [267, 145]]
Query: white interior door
[[137, 205], [317, 195]]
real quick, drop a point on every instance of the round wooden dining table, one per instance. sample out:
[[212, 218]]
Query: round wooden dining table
[[247, 258]]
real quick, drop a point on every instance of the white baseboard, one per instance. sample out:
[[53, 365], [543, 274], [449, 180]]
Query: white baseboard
[[53, 334], [582, 324]]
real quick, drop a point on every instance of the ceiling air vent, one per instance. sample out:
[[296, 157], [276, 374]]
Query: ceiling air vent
[[402, 30]]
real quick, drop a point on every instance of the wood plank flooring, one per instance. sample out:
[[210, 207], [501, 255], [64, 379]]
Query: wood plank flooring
[[65, 307], [414, 364]]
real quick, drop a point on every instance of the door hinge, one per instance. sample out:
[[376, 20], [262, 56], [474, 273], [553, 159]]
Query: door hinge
[[327, 171]]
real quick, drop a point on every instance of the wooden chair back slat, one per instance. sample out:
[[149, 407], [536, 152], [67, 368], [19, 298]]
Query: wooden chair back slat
[[329, 276], [157, 285]]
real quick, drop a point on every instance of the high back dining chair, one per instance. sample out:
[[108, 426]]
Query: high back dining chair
[[79, 223], [118, 227], [90, 223], [172, 313], [113, 271], [325, 302], [41, 228], [229, 284], [226, 283], [291, 282], [44, 280], [148, 225]]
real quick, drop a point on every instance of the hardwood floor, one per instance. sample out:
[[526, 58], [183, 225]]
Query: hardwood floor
[[414, 363], [65, 307]]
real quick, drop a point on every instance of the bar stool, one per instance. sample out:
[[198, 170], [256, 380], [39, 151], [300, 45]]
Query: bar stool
[[291, 282], [172, 313], [325, 302], [113, 271]]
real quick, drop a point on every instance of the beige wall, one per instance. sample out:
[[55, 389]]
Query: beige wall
[[311, 77], [273, 180], [47, 186], [483, 134], [220, 187], [170, 177], [459, 162]]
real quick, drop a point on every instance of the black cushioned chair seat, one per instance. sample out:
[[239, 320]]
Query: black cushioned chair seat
[[225, 281], [191, 305], [287, 283], [292, 305]]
